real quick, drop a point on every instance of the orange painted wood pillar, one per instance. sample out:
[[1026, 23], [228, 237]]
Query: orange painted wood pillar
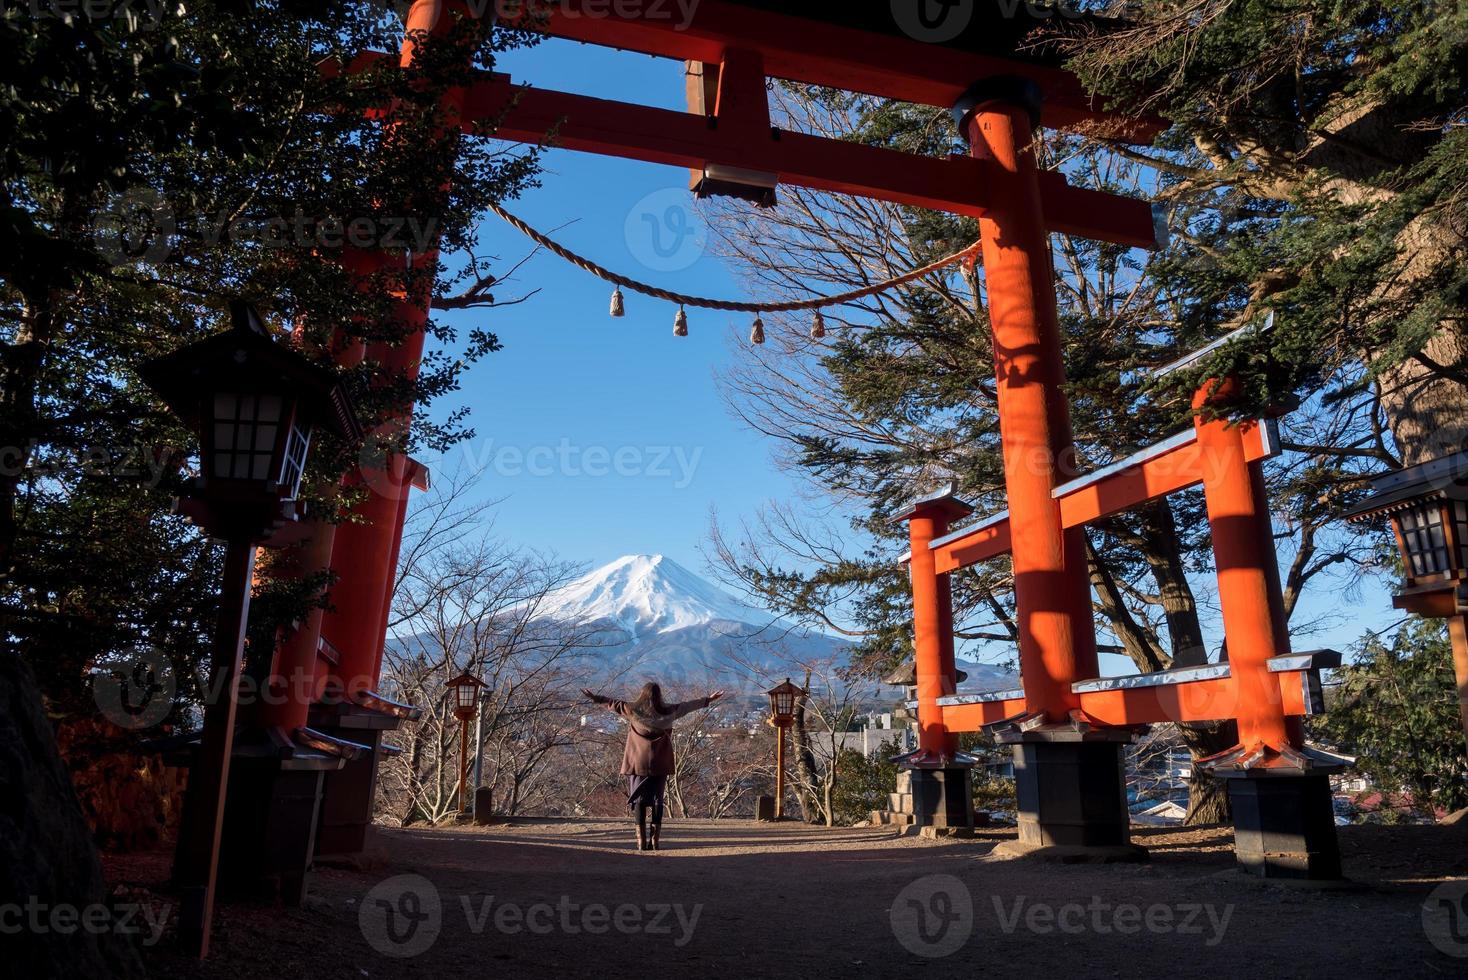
[[1057, 640], [365, 554], [1458, 629], [932, 626], [292, 687], [1248, 574]]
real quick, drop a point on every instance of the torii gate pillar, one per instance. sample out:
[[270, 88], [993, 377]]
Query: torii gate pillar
[[942, 790], [1069, 777]]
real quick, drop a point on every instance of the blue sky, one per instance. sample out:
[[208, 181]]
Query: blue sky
[[607, 436], [604, 437]]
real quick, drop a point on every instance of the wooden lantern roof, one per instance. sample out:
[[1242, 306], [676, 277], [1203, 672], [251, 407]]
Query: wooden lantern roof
[[1445, 478], [245, 355]]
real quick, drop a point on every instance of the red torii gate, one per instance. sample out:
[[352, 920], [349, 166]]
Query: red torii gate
[[998, 99], [343, 650]]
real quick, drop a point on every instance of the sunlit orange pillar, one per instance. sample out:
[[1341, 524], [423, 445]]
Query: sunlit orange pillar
[[1057, 642], [291, 688], [414, 477], [366, 550], [1458, 628], [1248, 574], [932, 620]]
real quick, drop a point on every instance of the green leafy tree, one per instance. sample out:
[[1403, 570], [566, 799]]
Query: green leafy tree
[[153, 169], [865, 783], [1320, 153], [1397, 710]]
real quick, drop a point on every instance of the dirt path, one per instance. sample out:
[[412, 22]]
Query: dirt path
[[732, 899]]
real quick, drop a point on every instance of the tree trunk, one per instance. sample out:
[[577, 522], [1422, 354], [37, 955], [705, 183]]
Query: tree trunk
[[805, 764], [1207, 797], [1427, 412], [20, 371]]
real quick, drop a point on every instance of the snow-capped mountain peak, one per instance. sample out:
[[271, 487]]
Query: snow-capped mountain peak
[[648, 594]]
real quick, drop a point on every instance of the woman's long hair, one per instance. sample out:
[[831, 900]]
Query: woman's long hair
[[650, 698]]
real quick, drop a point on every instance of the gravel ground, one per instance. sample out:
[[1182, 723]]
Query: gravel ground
[[736, 899]]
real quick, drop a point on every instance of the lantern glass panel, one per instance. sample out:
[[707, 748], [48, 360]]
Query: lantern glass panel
[[1426, 539], [246, 427], [1460, 518], [297, 445], [465, 693]]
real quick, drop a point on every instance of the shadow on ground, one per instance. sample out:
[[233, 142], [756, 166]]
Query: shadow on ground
[[737, 899]]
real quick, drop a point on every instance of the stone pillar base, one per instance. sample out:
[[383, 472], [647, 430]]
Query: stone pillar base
[[268, 839], [943, 799], [349, 794], [1284, 826], [1072, 792]]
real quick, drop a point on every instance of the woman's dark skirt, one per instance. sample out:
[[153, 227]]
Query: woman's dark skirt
[[647, 791]]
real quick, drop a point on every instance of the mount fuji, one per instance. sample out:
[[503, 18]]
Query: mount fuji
[[649, 595], [658, 620]]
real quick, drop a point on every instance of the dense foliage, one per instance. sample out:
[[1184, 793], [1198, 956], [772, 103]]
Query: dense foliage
[[1397, 710], [157, 163]]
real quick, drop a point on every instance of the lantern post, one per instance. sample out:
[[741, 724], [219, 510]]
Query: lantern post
[[1428, 508], [464, 690], [256, 406], [783, 698]]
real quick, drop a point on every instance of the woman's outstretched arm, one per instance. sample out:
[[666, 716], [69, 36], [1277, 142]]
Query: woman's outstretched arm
[[595, 698], [697, 704]]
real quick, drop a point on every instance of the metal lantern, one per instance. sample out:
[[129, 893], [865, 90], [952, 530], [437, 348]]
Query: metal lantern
[[1428, 507], [256, 405], [465, 690], [782, 703]]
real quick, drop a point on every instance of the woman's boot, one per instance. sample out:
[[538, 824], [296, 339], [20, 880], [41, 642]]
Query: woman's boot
[[642, 828]]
